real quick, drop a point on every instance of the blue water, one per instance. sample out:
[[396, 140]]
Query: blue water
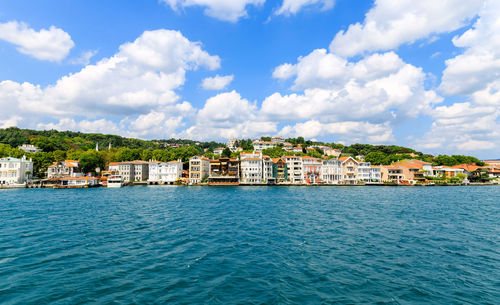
[[251, 245]]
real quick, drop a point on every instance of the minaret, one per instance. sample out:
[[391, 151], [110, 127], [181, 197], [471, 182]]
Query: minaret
[[97, 146], [109, 147]]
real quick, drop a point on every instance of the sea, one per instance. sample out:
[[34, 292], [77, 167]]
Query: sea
[[251, 245]]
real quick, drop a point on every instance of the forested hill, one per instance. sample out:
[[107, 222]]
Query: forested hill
[[52, 140]]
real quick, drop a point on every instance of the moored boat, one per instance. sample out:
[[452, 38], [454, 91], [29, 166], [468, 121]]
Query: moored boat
[[115, 181]]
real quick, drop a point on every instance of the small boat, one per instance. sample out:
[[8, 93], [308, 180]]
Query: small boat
[[115, 181]]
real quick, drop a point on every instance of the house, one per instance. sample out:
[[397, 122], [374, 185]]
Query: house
[[232, 144], [332, 152], [62, 169], [364, 171], [29, 148], [199, 169], [280, 170], [224, 171], [375, 174], [218, 150], [287, 146], [259, 145], [131, 170], [349, 170], [311, 169], [294, 167], [15, 171], [252, 167], [297, 149], [331, 171], [278, 140], [165, 172]]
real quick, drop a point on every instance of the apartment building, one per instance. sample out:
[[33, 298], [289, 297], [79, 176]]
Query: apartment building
[[224, 171], [165, 172], [199, 169], [331, 171], [131, 170], [311, 169], [349, 170], [295, 168]]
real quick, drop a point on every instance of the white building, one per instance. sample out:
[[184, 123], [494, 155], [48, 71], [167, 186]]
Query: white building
[[331, 171], [267, 172], [259, 145], [165, 172], [252, 168], [288, 146], [199, 169], [332, 152], [375, 174], [294, 166], [29, 148], [218, 150], [15, 171], [278, 140], [369, 173]]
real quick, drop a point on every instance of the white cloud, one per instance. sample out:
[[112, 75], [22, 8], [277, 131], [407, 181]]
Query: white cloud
[[84, 58], [479, 64], [392, 23], [376, 89], [227, 10], [53, 44], [292, 7], [473, 74], [140, 79], [217, 82], [353, 132], [228, 115], [101, 126]]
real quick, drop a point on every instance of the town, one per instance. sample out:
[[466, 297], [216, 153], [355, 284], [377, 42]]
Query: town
[[232, 165]]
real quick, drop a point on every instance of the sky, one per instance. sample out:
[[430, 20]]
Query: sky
[[423, 74]]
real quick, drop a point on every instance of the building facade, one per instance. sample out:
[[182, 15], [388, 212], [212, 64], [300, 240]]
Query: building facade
[[199, 169], [331, 171], [295, 168], [311, 168], [131, 171], [165, 172], [224, 171], [63, 169], [349, 170], [15, 171], [29, 148]]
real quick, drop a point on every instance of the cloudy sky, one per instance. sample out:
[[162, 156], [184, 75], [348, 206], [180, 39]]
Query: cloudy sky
[[424, 74]]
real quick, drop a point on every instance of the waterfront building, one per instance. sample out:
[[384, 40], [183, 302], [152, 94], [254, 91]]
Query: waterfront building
[[15, 171], [267, 173], [280, 170], [331, 171], [252, 167], [349, 170], [78, 182], [165, 172], [199, 169], [364, 171], [131, 170], [29, 148], [375, 174], [311, 169], [294, 166], [224, 171], [63, 169]]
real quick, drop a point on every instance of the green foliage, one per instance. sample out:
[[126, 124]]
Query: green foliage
[[7, 151], [226, 153], [456, 159], [90, 160], [265, 138]]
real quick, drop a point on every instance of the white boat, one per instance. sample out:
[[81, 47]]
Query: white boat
[[115, 181]]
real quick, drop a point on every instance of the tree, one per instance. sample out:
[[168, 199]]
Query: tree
[[226, 153], [90, 160]]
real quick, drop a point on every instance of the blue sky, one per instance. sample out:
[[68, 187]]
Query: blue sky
[[423, 75]]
